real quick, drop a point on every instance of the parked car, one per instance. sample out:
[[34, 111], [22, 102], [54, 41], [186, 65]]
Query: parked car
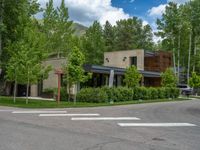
[[185, 89]]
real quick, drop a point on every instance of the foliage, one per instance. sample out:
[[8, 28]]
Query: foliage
[[180, 33], [120, 94], [93, 44], [132, 77], [109, 36], [168, 78], [74, 69], [25, 64], [14, 17], [131, 34], [194, 80], [58, 29]]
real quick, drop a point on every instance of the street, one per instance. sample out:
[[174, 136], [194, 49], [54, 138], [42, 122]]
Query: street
[[155, 126]]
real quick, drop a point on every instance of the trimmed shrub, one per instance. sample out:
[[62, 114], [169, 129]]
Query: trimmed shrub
[[106, 94], [95, 95], [153, 93], [161, 93]]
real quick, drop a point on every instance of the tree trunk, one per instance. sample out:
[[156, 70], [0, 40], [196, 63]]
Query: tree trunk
[[27, 91], [1, 22], [174, 61], [195, 53], [190, 47], [178, 59], [76, 89], [27, 87], [69, 93], [15, 89]]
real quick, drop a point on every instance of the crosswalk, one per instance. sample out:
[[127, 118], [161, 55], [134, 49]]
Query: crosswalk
[[66, 115], [97, 117]]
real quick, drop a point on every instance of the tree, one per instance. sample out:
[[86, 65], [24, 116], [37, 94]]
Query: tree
[[168, 78], [168, 27], [132, 77], [14, 16], [25, 65], [179, 29], [74, 69], [131, 34], [109, 36], [58, 29], [12, 70], [94, 44], [194, 81]]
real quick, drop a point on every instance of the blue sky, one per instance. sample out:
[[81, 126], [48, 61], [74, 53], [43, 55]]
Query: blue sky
[[137, 7], [87, 11]]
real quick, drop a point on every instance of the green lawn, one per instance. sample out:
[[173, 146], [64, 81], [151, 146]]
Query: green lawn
[[8, 101]]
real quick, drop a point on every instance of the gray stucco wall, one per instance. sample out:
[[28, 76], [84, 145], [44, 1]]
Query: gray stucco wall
[[116, 58]]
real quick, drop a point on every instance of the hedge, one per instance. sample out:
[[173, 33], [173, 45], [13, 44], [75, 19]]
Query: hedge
[[119, 94]]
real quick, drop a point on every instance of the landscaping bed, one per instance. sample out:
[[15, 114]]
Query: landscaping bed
[[8, 101]]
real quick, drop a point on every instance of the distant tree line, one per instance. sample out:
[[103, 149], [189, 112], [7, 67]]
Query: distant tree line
[[179, 29]]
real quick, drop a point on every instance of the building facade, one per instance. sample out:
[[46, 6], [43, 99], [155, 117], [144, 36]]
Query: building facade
[[149, 64]]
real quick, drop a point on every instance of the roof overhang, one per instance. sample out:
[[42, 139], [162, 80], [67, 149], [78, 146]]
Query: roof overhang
[[118, 71]]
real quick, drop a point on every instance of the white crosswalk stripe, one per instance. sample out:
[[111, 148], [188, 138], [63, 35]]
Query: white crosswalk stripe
[[66, 115], [37, 112], [105, 118], [156, 124]]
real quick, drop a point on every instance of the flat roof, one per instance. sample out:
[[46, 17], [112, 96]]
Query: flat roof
[[118, 71]]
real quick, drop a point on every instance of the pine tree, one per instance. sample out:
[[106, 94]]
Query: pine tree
[[94, 44], [109, 37]]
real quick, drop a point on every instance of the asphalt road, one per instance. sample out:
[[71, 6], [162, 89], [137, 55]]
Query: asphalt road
[[29, 131]]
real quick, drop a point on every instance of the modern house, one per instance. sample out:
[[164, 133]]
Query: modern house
[[149, 64]]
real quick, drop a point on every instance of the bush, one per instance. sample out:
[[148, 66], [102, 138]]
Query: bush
[[95, 95], [63, 94], [119, 94], [161, 93]]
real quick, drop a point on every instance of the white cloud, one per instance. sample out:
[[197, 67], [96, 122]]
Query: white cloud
[[178, 1], [144, 23], [157, 11], [131, 1], [87, 11]]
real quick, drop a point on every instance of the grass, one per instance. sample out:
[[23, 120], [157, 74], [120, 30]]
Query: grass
[[8, 101]]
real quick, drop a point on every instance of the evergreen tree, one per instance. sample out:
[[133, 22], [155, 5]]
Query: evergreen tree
[[109, 37], [131, 34], [94, 44]]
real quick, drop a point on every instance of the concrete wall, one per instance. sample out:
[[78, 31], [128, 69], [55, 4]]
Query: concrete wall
[[52, 81], [116, 58]]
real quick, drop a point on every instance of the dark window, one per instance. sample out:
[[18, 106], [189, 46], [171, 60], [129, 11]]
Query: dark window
[[133, 61]]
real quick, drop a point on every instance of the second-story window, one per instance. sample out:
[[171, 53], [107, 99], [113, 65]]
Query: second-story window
[[133, 61]]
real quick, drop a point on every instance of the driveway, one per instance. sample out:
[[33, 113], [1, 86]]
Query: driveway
[[155, 126]]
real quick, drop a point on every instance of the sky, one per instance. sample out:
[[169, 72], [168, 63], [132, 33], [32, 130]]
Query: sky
[[87, 11]]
